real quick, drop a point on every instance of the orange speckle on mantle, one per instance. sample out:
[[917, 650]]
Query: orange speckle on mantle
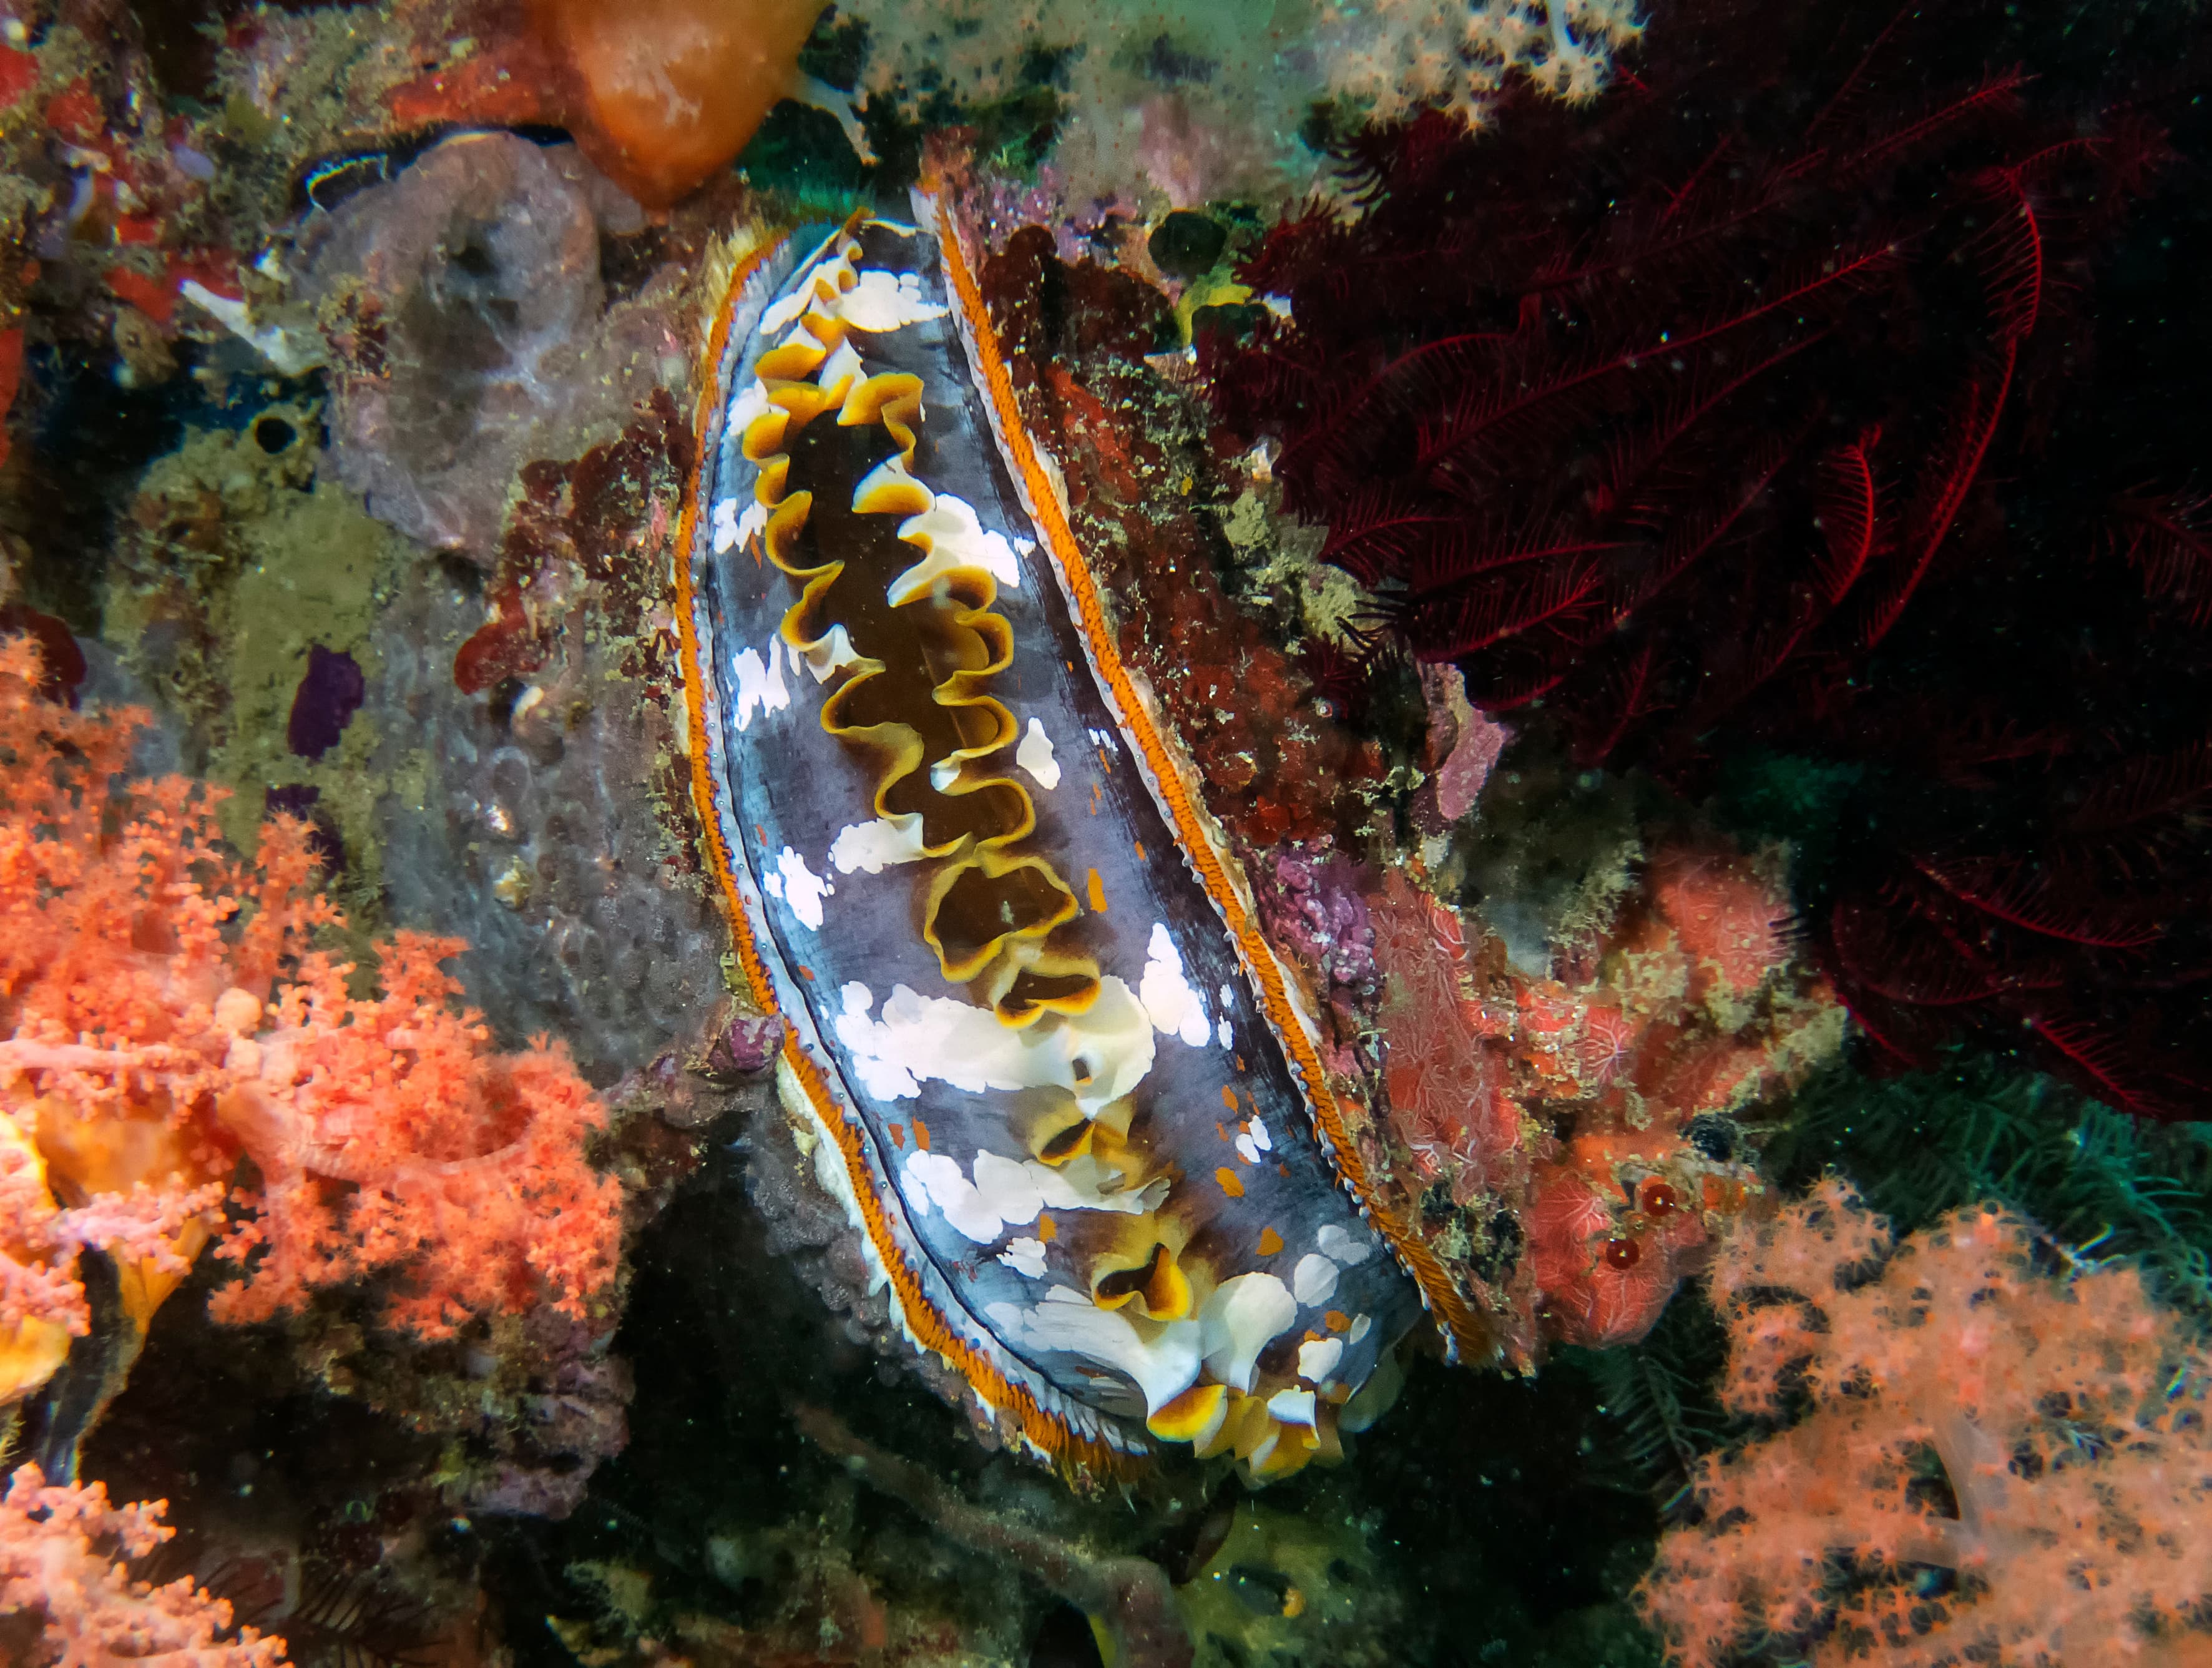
[[922, 1134], [1230, 1184], [1270, 1242]]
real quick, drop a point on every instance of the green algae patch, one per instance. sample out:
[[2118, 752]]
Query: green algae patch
[[234, 562], [319, 580]]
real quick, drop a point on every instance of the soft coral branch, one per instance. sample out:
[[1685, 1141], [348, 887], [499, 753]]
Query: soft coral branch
[[2065, 1418], [166, 1028], [65, 1558], [391, 1142]]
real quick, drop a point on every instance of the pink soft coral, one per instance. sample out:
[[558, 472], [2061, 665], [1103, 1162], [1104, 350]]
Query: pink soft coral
[[164, 1014], [2063, 1420], [64, 1567]]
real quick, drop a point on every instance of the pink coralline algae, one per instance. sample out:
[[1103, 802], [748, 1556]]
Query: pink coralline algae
[[1978, 1461], [1565, 1140], [1311, 903], [165, 1017], [65, 1600], [1465, 742], [1450, 1098], [745, 1046]]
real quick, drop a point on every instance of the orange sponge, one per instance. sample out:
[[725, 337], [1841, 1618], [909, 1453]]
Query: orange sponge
[[665, 92]]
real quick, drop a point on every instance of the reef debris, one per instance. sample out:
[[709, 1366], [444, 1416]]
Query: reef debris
[[1128, 1599]]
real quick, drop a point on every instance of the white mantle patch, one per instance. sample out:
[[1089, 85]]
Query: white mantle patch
[[886, 301], [1010, 1193], [760, 683], [1314, 1279], [873, 845], [1097, 1056], [1175, 1008], [799, 887], [1163, 1367], [1344, 1247], [1034, 756], [1317, 1358], [825, 656], [1242, 1317]]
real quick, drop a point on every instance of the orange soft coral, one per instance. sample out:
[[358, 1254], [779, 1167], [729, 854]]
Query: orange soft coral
[[1562, 1141], [164, 1016], [2043, 1441], [1684, 1009], [391, 1139]]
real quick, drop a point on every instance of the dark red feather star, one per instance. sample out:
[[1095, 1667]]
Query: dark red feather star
[[1800, 396]]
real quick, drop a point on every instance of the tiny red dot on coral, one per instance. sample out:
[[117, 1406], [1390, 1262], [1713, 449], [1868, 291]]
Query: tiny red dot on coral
[[1659, 1199], [1622, 1253]]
